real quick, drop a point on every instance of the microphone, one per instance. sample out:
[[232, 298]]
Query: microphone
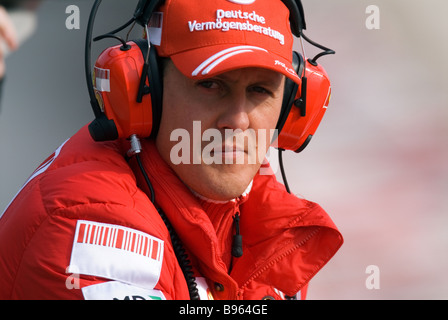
[[237, 245]]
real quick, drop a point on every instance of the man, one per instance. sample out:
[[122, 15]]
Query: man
[[92, 223]]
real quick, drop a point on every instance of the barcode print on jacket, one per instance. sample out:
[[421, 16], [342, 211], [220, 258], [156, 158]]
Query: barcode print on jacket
[[119, 238]]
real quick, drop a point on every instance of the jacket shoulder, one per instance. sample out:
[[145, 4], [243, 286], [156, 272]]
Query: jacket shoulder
[[295, 237], [89, 172]]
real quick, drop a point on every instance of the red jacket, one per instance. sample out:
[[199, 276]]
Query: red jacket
[[83, 227]]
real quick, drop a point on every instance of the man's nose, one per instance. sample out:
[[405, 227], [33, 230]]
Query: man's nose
[[235, 113]]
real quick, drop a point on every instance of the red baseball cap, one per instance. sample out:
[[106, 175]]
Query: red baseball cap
[[208, 37]]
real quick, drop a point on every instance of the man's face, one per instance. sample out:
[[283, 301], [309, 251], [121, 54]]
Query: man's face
[[214, 133]]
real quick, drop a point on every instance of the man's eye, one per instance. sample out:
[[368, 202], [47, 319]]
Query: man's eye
[[208, 84], [261, 90]]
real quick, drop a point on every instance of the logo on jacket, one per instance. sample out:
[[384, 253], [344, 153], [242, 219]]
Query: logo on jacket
[[117, 253], [114, 290]]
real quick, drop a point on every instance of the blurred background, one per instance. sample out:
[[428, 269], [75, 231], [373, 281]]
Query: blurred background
[[377, 164]]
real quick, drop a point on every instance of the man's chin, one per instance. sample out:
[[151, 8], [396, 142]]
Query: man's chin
[[223, 190]]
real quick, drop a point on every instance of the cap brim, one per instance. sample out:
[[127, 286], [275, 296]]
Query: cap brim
[[209, 61]]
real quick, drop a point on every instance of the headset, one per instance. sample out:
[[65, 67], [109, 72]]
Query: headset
[[126, 88]]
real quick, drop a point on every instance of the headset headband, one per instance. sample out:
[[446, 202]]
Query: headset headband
[[103, 128], [145, 8]]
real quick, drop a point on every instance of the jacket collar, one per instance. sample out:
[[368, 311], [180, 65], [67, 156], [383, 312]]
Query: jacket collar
[[238, 200]]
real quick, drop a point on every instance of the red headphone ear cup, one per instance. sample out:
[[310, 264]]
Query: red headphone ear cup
[[291, 90], [298, 128], [117, 76]]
